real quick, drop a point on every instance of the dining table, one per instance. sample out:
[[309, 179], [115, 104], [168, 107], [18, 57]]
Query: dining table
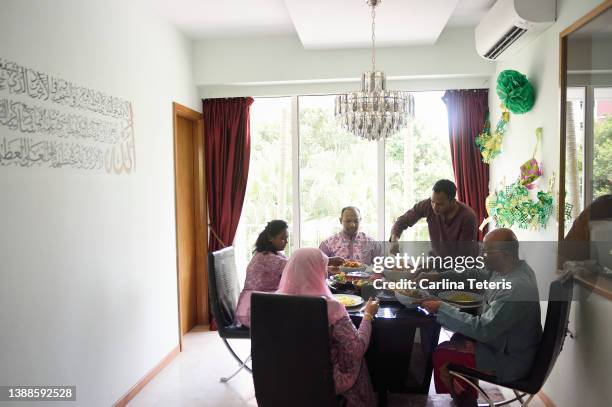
[[399, 357]]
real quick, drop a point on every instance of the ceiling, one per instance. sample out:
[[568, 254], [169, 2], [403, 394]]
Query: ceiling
[[323, 23]]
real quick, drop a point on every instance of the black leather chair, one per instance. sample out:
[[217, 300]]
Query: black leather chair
[[223, 290], [291, 351], [553, 336]]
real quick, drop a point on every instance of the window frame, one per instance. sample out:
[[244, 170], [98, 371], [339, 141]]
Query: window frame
[[295, 176]]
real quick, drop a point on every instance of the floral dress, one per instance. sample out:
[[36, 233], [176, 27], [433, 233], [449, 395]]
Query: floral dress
[[351, 377], [262, 274]]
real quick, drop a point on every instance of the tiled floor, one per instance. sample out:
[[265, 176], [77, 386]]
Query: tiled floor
[[192, 379]]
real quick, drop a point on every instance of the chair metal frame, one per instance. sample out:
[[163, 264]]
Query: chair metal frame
[[212, 279], [489, 403], [243, 364]]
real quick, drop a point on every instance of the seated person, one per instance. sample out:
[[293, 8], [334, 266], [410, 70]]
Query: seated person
[[305, 274], [265, 268], [448, 220], [501, 341], [576, 243], [350, 243]]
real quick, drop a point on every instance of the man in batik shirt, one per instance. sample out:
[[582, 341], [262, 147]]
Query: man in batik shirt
[[350, 243]]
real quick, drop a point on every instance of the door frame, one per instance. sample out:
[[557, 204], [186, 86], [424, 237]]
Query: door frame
[[201, 215]]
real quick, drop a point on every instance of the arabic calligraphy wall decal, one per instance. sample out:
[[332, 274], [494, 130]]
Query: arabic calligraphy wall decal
[[68, 126]]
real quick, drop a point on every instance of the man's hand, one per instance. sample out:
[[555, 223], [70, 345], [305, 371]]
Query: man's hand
[[335, 261], [431, 305], [394, 249], [429, 275]]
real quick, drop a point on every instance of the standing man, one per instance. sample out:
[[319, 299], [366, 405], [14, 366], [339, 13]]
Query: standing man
[[350, 243], [448, 220]]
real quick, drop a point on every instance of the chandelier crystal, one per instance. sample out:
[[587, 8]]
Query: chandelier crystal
[[374, 112]]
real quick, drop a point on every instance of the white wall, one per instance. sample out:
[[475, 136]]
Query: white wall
[[539, 60], [279, 65], [88, 292], [582, 373]]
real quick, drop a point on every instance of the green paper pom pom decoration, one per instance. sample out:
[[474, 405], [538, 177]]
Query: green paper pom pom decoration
[[515, 91]]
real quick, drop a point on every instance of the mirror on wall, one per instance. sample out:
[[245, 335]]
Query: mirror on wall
[[586, 114]]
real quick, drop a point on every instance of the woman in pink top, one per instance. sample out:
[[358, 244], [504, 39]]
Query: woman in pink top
[[305, 275], [266, 267]]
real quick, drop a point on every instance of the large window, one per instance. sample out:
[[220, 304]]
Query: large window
[[303, 165], [574, 152], [602, 142], [269, 192], [337, 169], [588, 146], [415, 159]]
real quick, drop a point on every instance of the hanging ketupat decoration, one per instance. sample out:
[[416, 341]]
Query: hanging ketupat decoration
[[531, 169], [512, 205], [517, 96], [490, 144]]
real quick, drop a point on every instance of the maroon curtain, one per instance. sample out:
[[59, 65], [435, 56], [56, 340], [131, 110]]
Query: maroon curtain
[[467, 112], [227, 141]]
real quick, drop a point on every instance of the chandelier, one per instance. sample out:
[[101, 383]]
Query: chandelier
[[374, 112]]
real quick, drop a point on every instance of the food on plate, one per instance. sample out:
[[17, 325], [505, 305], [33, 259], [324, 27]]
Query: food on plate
[[339, 278], [352, 264], [347, 301], [360, 283], [343, 278]]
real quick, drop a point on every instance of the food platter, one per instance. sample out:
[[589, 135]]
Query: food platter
[[461, 299], [348, 281], [350, 266]]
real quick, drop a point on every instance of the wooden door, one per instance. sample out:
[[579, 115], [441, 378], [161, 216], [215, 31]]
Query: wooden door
[[185, 222], [191, 230]]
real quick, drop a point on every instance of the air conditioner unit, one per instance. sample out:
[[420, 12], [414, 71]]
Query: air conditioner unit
[[511, 24]]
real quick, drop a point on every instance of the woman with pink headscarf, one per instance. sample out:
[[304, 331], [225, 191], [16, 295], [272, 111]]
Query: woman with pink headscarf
[[305, 274]]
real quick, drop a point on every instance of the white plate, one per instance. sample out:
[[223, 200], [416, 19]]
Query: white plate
[[454, 304], [355, 300], [407, 301], [346, 270], [358, 274]]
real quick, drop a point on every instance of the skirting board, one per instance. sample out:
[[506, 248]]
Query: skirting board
[[123, 401], [545, 399]]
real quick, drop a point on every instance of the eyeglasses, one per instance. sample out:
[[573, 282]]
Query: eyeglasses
[[486, 253]]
